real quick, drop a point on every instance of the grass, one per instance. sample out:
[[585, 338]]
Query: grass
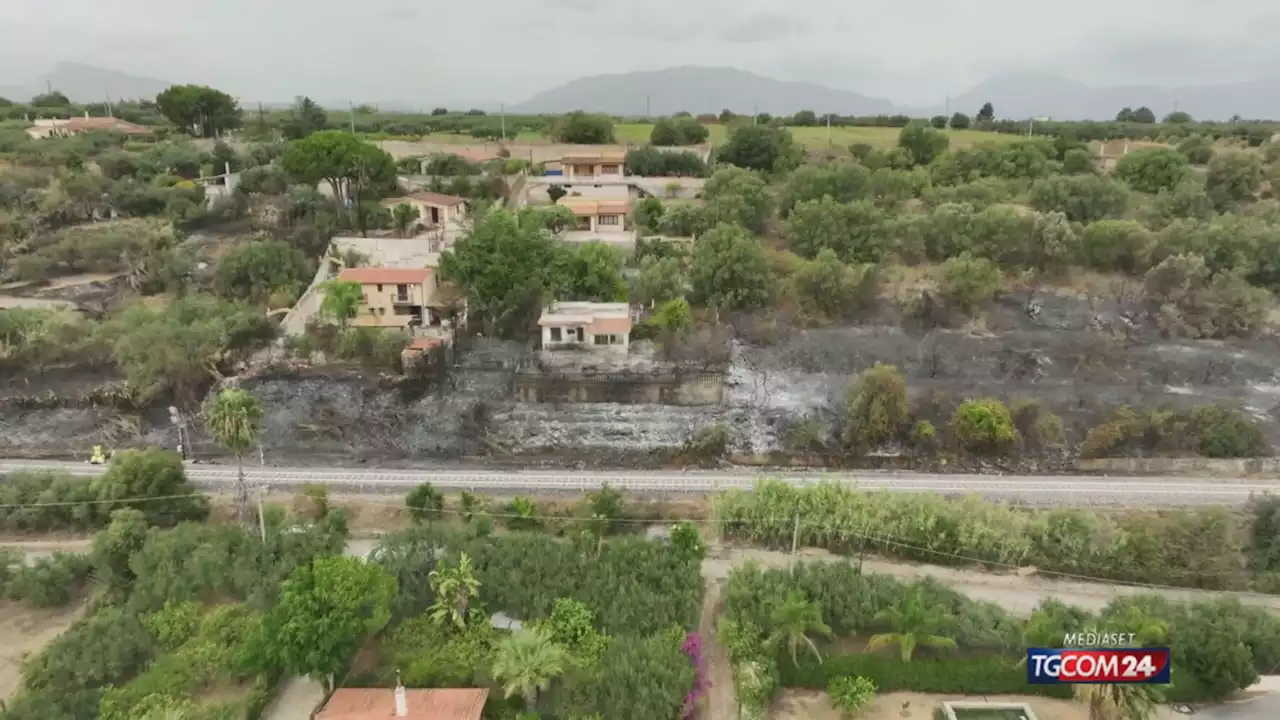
[[812, 138]]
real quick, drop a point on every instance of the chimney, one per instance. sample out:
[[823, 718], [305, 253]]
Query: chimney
[[402, 703]]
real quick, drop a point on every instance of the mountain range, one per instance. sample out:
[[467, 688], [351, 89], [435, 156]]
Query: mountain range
[[1014, 95], [710, 90], [86, 84]]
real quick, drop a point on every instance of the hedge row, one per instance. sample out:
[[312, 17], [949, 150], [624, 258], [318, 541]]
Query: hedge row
[[955, 676]]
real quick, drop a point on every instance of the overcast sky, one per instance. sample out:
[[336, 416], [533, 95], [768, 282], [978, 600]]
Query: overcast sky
[[454, 52]]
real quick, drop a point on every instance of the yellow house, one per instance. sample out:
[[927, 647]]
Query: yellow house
[[434, 209], [395, 297], [593, 165], [595, 215]]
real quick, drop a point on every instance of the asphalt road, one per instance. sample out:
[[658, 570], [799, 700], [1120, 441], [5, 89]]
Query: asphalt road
[[1067, 490]]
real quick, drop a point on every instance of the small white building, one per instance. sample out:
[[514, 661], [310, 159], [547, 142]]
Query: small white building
[[604, 327]]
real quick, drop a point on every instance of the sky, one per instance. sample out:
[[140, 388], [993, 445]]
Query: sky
[[443, 52]]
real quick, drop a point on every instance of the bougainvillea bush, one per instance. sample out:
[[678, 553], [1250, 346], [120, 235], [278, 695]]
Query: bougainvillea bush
[[692, 646]]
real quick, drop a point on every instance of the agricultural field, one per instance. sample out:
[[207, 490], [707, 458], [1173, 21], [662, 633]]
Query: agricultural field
[[811, 138]]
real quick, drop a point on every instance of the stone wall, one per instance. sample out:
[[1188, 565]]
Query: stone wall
[[1220, 470], [686, 389]]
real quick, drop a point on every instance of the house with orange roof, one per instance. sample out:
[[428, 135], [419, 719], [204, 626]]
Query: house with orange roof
[[599, 327], [396, 297], [583, 165], [604, 215], [434, 209], [383, 703], [46, 128]]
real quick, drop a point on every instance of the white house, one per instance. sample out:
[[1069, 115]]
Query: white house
[[603, 327]]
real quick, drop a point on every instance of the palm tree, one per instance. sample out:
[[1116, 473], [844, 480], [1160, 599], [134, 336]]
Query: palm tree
[[1118, 702], [526, 662], [402, 216], [233, 419], [342, 299], [454, 587], [793, 619], [913, 624]]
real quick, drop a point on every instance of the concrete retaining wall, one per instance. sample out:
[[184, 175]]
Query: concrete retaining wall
[[1219, 469], [693, 389]]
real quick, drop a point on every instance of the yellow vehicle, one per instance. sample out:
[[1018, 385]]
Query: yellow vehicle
[[98, 457]]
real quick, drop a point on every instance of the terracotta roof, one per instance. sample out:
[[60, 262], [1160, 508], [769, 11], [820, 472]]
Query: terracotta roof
[[595, 156], [441, 199], [583, 207], [608, 325], [387, 276], [83, 124], [371, 703]]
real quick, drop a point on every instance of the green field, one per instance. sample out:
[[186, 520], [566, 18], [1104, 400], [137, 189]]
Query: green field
[[812, 138], [816, 138]]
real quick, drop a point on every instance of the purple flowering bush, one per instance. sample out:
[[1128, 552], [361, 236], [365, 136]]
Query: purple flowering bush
[[692, 646]]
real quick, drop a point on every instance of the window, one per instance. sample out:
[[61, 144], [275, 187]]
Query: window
[[402, 293], [608, 169], [606, 340], [379, 287], [608, 220], [555, 334]]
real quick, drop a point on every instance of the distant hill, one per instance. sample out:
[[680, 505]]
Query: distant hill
[[698, 90], [1014, 95], [85, 84], [1023, 95]]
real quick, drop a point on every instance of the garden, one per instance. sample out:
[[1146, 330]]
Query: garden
[[583, 626], [830, 627]]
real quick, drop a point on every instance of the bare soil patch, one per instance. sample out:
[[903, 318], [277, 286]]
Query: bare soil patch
[[25, 631], [721, 702]]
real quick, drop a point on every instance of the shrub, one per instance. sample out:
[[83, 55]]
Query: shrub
[[50, 581], [876, 408], [968, 283], [709, 442], [1039, 428], [851, 694], [425, 503], [1222, 432], [983, 427]]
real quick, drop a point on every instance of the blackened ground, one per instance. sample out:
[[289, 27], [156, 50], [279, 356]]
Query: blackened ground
[[1080, 357]]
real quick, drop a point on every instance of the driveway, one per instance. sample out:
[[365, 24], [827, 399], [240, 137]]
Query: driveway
[[1266, 707]]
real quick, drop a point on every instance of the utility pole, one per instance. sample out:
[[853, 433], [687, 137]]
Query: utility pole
[[795, 540], [353, 116], [262, 515], [502, 111], [647, 113], [828, 130], [755, 116]]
